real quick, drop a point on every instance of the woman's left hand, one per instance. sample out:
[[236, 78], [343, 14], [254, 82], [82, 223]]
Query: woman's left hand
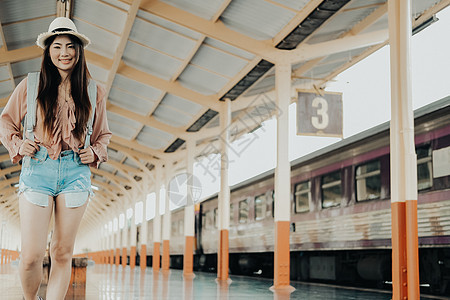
[[87, 156]]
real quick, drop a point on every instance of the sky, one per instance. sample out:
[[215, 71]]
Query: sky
[[366, 103]]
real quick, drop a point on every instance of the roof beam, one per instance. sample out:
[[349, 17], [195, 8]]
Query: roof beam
[[306, 52], [174, 88], [147, 153], [124, 168], [149, 121], [132, 12], [213, 29], [297, 19], [111, 178], [21, 54], [9, 170]]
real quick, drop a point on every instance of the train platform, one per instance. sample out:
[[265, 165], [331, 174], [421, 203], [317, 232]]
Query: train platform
[[108, 282]]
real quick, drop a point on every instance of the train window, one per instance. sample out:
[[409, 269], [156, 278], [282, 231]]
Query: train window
[[209, 219], [424, 167], [260, 207], [302, 196], [368, 181], [331, 190], [181, 227], [174, 228], [203, 220], [231, 214], [243, 211]]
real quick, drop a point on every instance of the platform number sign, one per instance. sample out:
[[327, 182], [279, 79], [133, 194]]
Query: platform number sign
[[319, 115]]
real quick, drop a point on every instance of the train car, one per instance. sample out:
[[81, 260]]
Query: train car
[[341, 218]]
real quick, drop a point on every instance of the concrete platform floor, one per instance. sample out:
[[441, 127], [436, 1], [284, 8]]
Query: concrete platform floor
[[106, 282]]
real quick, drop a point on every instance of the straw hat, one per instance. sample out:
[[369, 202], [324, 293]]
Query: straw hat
[[61, 26]]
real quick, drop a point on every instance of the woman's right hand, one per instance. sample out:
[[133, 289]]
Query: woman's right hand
[[28, 148]]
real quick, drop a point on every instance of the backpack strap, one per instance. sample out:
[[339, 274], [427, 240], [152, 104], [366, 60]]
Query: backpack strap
[[30, 117], [92, 92]]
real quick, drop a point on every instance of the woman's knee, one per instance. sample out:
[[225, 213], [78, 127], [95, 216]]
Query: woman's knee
[[61, 253], [31, 260]]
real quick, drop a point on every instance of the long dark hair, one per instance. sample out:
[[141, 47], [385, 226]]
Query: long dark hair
[[49, 82]]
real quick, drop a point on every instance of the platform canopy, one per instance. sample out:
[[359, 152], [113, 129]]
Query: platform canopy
[[168, 66]]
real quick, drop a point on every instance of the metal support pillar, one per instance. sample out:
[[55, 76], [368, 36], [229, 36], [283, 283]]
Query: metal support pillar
[[143, 236], [224, 193], [117, 247], [133, 231], [125, 240], [111, 247], [282, 179], [157, 223], [405, 258], [189, 214], [166, 228]]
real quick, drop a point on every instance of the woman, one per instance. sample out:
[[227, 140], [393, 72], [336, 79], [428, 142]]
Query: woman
[[57, 176]]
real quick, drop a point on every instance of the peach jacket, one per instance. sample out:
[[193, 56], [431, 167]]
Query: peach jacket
[[16, 108]]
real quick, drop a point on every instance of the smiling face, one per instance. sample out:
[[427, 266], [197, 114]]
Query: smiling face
[[63, 54]]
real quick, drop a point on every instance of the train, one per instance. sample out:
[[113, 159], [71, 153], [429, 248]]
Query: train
[[340, 213]]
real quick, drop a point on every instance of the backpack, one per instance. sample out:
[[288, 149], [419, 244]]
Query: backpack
[[30, 117]]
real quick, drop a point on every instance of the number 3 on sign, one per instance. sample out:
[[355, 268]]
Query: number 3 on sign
[[322, 111]]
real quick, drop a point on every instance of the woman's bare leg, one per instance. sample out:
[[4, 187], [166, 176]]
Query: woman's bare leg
[[34, 222], [67, 221]]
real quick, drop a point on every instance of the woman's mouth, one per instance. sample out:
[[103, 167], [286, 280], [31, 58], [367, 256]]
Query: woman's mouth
[[65, 61]]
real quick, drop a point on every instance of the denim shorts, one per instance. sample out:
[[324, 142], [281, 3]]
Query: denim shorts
[[44, 177]]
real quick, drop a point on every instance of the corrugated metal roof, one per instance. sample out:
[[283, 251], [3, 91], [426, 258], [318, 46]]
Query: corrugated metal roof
[[340, 24], [137, 88], [100, 14], [122, 126], [103, 42], [228, 48], [4, 73], [161, 39], [22, 68], [294, 4], [204, 9], [19, 10], [24, 34], [154, 138], [130, 101], [98, 73], [151, 61], [218, 61], [176, 111], [168, 24], [255, 18], [202, 81]]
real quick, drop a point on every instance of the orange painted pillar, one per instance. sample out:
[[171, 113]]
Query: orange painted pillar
[[117, 256], [156, 256], [166, 255], [124, 257], [405, 256], [111, 256], [188, 257], [132, 256], [222, 268], [282, 254], [143, 257], [282, 181]]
